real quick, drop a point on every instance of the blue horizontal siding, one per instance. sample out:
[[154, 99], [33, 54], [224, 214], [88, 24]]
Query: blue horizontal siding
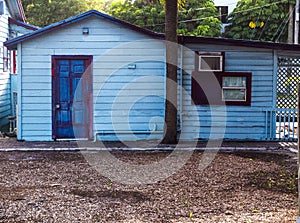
[[5, 98], [121, 136], [119, 93], [239, 122]]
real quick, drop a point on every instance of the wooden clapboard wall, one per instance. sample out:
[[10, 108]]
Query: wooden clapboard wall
[[119, 90], [236, 122], [5, 97]]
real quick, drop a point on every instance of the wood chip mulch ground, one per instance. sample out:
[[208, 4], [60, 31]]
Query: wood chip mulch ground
[[60, 186]]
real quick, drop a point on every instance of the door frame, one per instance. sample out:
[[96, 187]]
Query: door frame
[[89, 72]]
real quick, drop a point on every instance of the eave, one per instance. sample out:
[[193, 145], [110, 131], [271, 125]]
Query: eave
[[16, 9]]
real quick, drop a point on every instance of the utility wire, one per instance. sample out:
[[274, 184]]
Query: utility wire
[[280, 26], [228, 4], [246, 10], [287, 20], [263, 29], [232, 13], [283, 23], [252, 34]]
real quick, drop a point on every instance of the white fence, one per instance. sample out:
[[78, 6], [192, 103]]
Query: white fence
[[286, 124]]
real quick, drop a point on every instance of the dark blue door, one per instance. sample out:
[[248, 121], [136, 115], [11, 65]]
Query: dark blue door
[[71, 98]]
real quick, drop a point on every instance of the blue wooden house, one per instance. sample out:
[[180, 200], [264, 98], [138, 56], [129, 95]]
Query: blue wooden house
[[12, 23], [93, 76]]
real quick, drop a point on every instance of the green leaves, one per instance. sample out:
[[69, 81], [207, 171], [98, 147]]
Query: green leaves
[[45, 12], [145, 14], [195, 17], [248, 17]]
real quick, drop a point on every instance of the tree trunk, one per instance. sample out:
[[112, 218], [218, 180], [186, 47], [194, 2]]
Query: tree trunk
[[170, 126]]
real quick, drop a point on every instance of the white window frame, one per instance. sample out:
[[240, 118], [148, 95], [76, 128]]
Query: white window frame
[[211, 55], [234, 88]]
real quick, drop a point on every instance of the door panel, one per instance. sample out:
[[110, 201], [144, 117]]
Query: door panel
[[71, 98]]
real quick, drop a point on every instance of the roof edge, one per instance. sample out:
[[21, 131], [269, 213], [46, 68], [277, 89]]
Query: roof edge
[[22, 24], [80, 17], [237, 42], [182, 39], [16, 9], [21, 10]]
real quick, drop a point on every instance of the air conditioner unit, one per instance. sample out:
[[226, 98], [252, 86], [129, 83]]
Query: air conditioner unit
[[210, 62]]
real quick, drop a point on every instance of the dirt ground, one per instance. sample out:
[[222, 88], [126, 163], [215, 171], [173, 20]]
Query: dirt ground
[[10, 143], [61, 186]]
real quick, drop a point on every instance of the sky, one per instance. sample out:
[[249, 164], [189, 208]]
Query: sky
[[230, 3]]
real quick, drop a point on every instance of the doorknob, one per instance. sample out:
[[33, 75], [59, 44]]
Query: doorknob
[[57, 106]]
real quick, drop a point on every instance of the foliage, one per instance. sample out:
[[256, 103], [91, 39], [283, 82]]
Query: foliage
[[264, 20], [45, 12], [207, 22], [151, 15]]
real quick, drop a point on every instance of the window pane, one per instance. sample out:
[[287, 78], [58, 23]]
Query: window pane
[[210, 63], [234, 82], [234, 94]]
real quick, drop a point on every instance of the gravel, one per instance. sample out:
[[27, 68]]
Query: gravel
[[61, 186]]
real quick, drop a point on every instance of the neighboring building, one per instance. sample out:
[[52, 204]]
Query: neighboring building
[[93, 76], [247, 73], [12, 23], [223, 14]]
